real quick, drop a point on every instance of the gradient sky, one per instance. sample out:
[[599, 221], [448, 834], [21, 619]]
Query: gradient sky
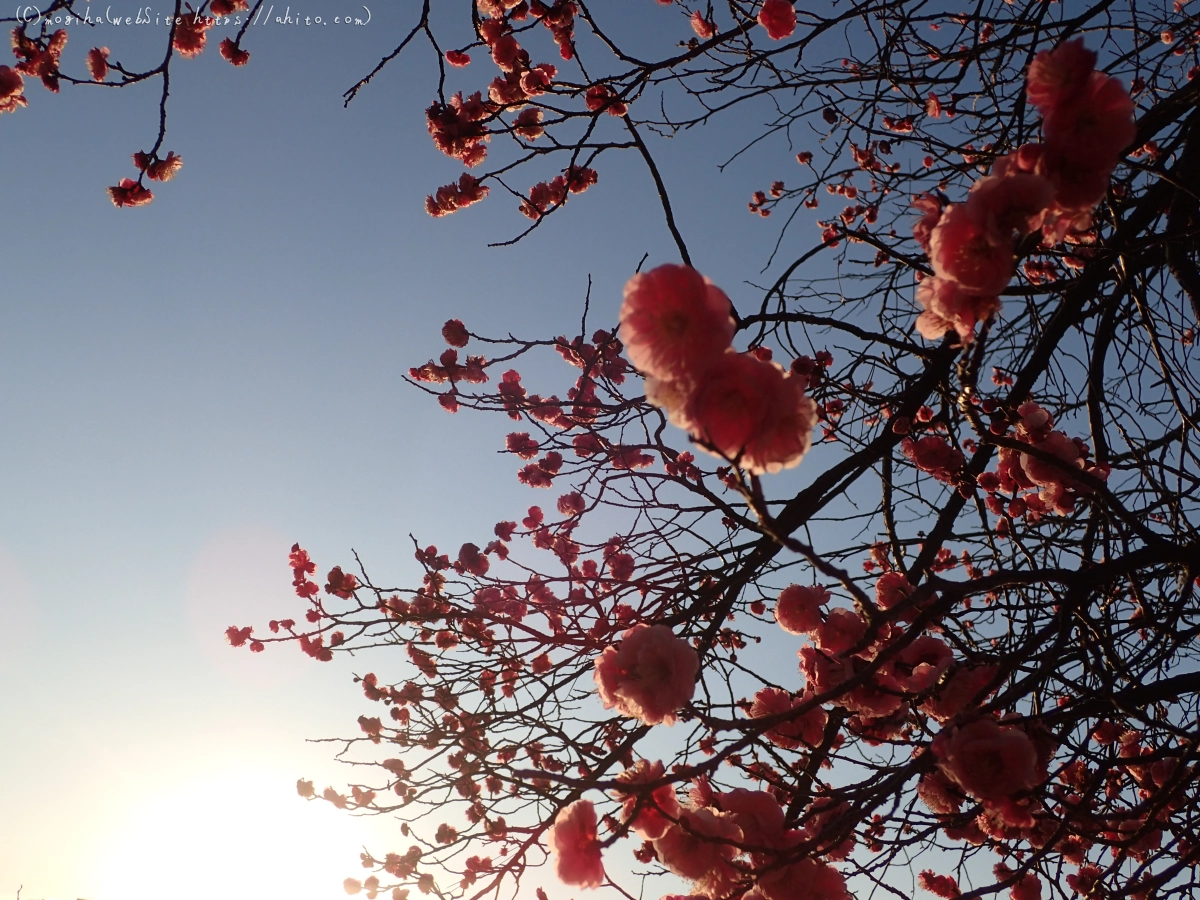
[[188, 388]]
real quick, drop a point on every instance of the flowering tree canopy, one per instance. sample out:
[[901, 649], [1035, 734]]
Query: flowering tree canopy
[[995, 683]]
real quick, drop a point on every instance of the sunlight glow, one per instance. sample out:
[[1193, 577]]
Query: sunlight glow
[[242, 836]]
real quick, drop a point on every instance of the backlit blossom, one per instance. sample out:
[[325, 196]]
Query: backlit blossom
[[39, 61], [1087, 125], [234, 54], [505, 53], [699, 848], [1011, 206], [934, 455], [938, 793], [1057, 489], [455, 333], [674, 321], [948, 306], [453, 197], [806, 729], [1028, 888], [756, 813], [748, 410], [798, 609], [963, 251], [919, 665], [891, 589], [97, 63], [655, 812], [822, 671], [964, 686], [841, 631], [602, 97], [575, 846], [1057, 77], [1096, 126], [778, 17], [164, 169], [875, 698], [1077, 188], [672, 397], [650, 675], [943, 886], [807, 879], [528, 124], [930, 208], [129, 193], [988, 760], [456, 128], [191, 34], [12, 87], [704, 28]]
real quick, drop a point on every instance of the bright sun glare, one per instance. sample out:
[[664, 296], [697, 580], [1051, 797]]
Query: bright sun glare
[[244, 836]]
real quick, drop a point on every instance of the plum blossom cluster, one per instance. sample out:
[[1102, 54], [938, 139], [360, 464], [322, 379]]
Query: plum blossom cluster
[[650, 675], [600, 362], [461, 128], [133, 193], [545, 196], [875, 678], [677, 328], [457, 127], [1087, 122], [453, 197], [12, 90], [1049, 474], [39, 58], [725, 843], [778, 17], [1026, 704]]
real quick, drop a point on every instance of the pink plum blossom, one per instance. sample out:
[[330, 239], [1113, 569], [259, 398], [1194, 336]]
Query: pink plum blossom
[[891, 589], [934, 455], [1097, 126], [658, 810], [756, 813], [1077, 188], [841, 631], [977, 258], [808, 879], [1057, 77], [779, 18], [650, 675], [807, 729], [938, 793], [919, 665], [699, 848], [823, 672], [988, 760], [575, 846], [1028, 888], [798, 609], [674, 322], [930, 208], [964, 686], [1014, 205], [948, 306], [750, 411]]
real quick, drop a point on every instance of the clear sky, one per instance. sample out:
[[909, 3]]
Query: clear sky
[[188, 388]]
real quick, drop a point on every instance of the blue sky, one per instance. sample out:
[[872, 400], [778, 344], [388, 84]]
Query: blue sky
[[188, 388]]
